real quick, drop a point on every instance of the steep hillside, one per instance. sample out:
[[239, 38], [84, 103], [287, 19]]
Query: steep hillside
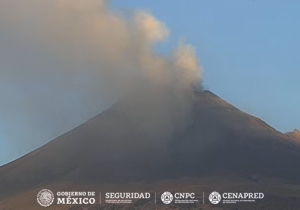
[[219, 139]]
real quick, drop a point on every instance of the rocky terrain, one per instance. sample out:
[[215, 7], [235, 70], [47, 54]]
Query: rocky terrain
[[222, 149]]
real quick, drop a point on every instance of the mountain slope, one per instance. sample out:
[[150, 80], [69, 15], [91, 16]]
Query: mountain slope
[[295, 135], [106, 149], [225, 138]]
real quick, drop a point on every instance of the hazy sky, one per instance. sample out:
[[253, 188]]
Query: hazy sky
[[249, 50]]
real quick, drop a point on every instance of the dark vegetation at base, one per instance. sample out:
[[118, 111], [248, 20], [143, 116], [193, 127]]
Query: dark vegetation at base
[[268, 203]]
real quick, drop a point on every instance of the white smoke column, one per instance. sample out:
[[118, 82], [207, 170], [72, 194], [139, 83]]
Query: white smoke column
[[62, 61]]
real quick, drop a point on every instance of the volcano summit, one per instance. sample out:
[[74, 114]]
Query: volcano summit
[[107, 152]]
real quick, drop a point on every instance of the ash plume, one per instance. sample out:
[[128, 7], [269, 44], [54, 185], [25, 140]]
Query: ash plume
[[64, 61]]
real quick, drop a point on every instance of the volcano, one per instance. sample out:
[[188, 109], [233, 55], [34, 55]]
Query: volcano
[[220, 141]]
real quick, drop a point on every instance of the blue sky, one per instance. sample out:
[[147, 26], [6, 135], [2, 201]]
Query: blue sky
[[249, 49]]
